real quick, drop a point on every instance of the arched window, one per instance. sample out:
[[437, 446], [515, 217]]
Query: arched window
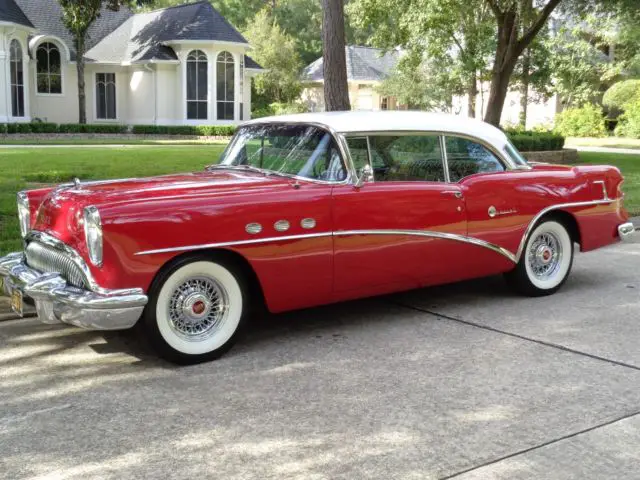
[[197, 85], [17, 79], [48, 69], [225, 85]]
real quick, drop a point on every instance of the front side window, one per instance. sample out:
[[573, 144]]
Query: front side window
[[17, 79], [293, 150], [48, 69], [225, 85], [466, 157], [359, 151], [197, 86], [106, 96], [407, 158], [515, 155]]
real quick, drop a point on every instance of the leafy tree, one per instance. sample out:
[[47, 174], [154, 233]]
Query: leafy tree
[[455, 35], [336, 90], [622, 94], [276, 52], [78, 16]]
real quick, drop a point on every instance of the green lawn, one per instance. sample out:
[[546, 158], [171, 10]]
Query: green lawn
[[8, 140], [629, 165], [609, 142], [26, 168]]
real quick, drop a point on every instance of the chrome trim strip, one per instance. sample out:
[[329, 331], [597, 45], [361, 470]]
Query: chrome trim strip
[[445, 159], [420, 233], [190, 248], [432, 234], [75, 257], [342, 233], [544, 211]]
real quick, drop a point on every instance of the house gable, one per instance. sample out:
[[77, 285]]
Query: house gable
[[10, 13]]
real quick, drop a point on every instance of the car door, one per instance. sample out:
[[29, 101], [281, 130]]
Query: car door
[[490, 198], [396, 232]]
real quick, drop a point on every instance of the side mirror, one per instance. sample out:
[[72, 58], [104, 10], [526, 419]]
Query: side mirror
[[365, 176]]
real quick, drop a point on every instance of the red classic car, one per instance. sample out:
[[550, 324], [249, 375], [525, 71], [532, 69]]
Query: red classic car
[[305, 210]]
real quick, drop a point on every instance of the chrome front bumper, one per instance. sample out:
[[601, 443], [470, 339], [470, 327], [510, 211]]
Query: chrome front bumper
[[58, 302], [626, 231]]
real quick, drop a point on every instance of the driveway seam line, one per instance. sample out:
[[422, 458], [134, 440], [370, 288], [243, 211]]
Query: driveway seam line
[[550, 442], [521, 337]]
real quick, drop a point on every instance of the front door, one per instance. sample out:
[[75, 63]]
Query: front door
[[401, 231]]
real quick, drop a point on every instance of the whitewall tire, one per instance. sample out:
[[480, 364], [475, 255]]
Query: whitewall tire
[[545, 262], [195, 310]]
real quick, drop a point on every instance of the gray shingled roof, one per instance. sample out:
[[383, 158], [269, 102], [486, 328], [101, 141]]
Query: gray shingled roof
[[10, 12], [363, 64], [46, 16], [141, 36], [251, 63]]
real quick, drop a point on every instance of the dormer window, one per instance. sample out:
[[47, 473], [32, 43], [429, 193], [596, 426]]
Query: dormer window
[[48, 69]]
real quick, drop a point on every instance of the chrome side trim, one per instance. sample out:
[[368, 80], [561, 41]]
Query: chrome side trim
[[341, 233], [432, 234], [79, 262], [544, 211], [190, 248]]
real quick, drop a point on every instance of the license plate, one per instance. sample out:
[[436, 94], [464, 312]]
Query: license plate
[[16, 301]]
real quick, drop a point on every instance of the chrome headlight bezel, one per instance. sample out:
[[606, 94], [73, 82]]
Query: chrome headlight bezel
[[24, 213], [93, 234]]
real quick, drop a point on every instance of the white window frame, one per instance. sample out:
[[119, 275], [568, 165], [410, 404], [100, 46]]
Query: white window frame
[[60, 50], [95, 98], [25, 82]]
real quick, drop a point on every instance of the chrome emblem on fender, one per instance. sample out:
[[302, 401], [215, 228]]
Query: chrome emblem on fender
[[281, 225], [308, 223], [253, 228], [492, 211]]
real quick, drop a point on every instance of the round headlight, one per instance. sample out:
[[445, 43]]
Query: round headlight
[[24, 214], [93, 234]]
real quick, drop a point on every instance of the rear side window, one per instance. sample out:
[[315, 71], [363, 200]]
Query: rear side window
[[407, 158], [466, 157]]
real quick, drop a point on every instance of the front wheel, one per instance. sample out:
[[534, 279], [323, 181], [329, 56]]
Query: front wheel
[[545, 262], [195, 310]]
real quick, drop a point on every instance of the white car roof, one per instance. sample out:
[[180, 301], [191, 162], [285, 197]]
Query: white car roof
[[362, 121]]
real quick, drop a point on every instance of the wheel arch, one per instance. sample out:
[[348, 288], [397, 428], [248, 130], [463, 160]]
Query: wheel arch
[[232, 257], [568, 220]]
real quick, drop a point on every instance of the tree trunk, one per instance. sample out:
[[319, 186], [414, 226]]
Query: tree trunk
[[524, 98], [82, 97], [336, 90], [472, 92]]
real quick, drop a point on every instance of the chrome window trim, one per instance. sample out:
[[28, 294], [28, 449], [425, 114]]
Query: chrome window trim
[[337, 137], [507, 162], [445, 159], [74, 256]]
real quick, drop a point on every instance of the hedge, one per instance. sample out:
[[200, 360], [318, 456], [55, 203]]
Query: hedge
[[43, 127], [528, 141], [199, 130]]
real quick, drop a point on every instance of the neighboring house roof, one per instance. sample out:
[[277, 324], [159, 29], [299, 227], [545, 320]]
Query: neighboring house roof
[[46, 16], [11, 13], [142, 36], [393, 121], [363, 64], [251, 63]]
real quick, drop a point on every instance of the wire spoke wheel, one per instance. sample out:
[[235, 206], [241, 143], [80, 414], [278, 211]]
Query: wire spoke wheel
[[545, 255], [198, 308]]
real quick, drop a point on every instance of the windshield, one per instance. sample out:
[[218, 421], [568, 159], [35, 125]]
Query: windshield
[[294, 150], [515, 155]]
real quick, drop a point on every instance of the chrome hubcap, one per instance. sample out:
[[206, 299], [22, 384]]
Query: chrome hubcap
[[198, 308], [545, 255]]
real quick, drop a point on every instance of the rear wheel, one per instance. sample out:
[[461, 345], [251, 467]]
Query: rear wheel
[[545, 262], [196, 310]]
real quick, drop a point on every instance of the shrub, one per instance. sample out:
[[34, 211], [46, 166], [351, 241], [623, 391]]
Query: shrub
[[43, 127], [18, 128], [532, 141], [202, 130], [279, 109], [620, 95], [3, 128], [79, 128], [629, 124], [587, 121]]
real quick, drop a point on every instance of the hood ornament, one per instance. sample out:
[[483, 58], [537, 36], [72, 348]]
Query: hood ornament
[[76, 182]]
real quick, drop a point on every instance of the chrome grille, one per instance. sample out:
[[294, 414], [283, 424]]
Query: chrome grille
[[47, 259]]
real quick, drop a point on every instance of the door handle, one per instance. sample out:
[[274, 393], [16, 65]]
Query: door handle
[[455, 193]]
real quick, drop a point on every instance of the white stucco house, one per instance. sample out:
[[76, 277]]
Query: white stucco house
[[368, 67], [176, 66]]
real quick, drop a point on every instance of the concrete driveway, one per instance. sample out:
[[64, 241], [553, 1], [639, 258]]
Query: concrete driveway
[[465, 381]]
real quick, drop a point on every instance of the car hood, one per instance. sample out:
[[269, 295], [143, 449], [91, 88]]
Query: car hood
[[61, 209]]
